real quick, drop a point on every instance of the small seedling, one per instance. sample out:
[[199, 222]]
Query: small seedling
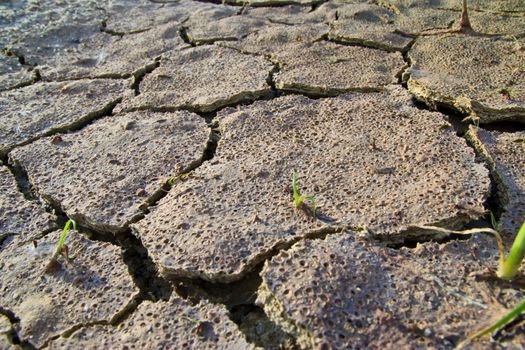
[[501, 322], [507, 268], [61, 249], [299, 200]]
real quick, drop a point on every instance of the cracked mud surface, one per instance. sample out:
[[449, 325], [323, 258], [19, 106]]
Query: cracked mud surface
[[45, 108], [108, 171], [346, 293], [504, 154], [236, 209], [169, 131], [173, 324], [19, 216], [202, 79], [95, 287]]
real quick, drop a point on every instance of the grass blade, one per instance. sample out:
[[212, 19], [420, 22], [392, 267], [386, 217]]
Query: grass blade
[[508, 317], [512, 264]]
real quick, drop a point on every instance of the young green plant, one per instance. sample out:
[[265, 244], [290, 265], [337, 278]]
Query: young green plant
[[61, 248], [299, 200], [508, 268]]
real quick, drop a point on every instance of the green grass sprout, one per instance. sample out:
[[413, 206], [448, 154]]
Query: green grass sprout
[[63, 235], [512, 264], [61, 248], [501, 322], [508, 268], [299, 200]]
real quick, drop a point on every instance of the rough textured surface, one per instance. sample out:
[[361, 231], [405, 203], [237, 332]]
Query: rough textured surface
[[325, 68], [478, 75], [505, 155], [5, 330], [491, 23], [236, 209], [202, 79], [76, 51], [13, 74], [23, 18], [494, 6], [147, 14], [423, 16], [94, 287], [19, 216], [368, 25], [256, 3], [174, 324], [43, 108], [344, 293], [104, 174], [279, 38], [201, 31], [291, 14]]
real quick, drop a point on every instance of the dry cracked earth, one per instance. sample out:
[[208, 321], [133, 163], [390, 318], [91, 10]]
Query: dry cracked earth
[[169, 131]]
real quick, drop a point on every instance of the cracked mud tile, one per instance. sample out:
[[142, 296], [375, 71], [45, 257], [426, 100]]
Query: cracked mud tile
[[146, 15], [350, 152], [491, 23], [105, 175], [422, 16], [505, 156], [278, 38], [202, 79], [13, 74], [326, 69], [202, 31], [43, 108], [20, 19], [478, 75], [173, 324], [345, 293], [75, 51], [368, 25], [94, 287], [492, 6], [289, 15], [19, 216]]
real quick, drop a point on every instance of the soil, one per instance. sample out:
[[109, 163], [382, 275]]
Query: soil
[[169, 132]]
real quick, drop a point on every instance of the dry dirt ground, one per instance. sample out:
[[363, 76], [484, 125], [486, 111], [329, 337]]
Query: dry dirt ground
[[169, 131]]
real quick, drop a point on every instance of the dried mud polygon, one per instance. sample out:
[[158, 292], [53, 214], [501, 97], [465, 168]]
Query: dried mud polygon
[[173, 324], [201, 31], [368, 25], [19, 216], [82, 51], [277, 38], [202, 79], [104, 175], [147, 14], [93, 287], [350, 152], [505, 154], [478, 75], [289, 15], [43, 108], [326, 69], [343, 293]]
